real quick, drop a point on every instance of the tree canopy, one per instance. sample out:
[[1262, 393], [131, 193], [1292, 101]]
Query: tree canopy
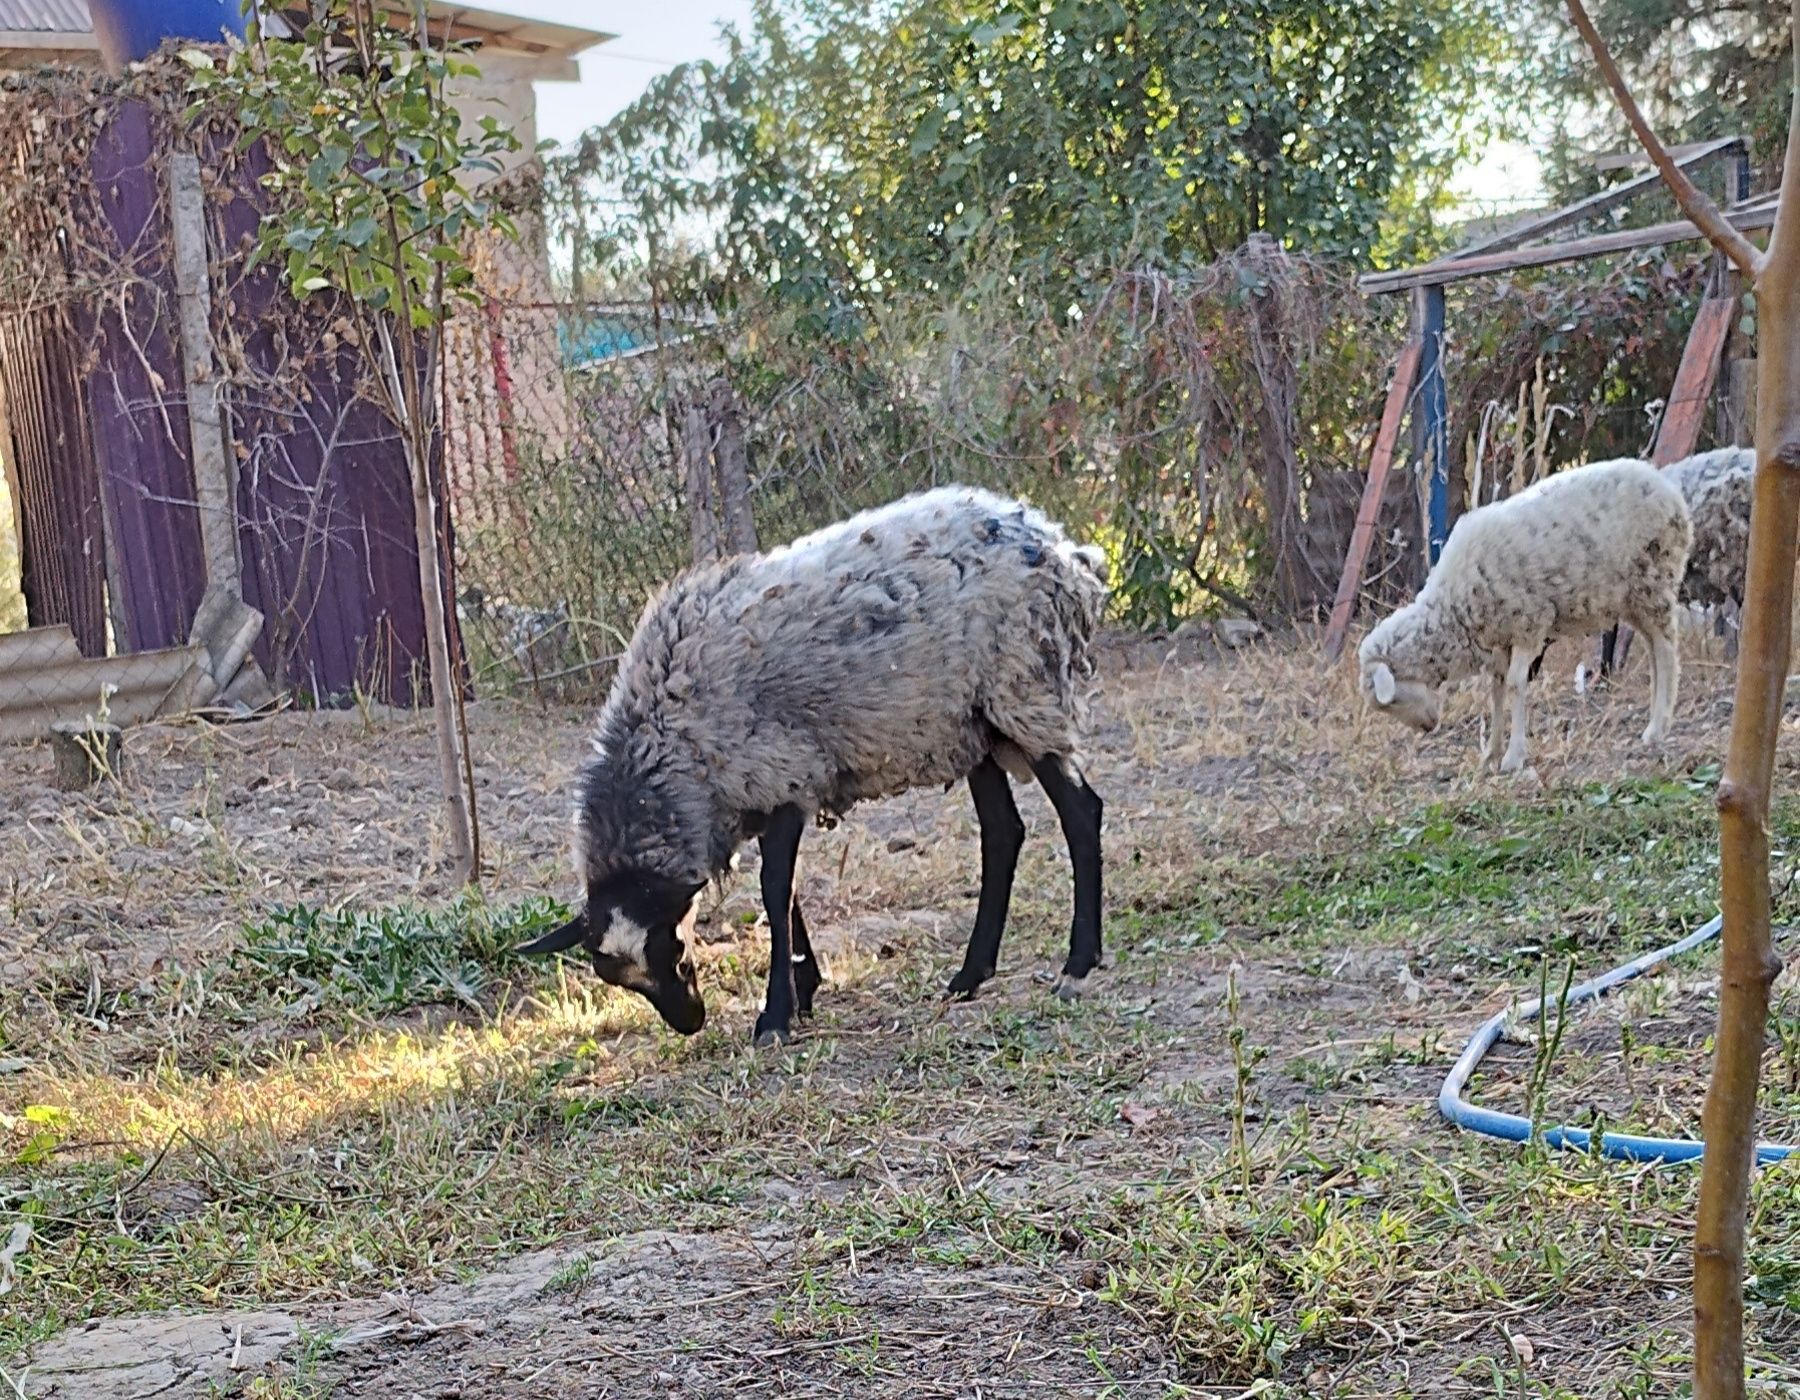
[[849, 150]]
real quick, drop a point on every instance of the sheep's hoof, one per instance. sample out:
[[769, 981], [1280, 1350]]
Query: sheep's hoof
[[966, 983], [1511, 764], [1069, 987], [767, 1035], [1653, 736]]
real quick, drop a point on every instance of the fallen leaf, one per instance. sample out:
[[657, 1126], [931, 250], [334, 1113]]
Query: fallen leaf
[[1522, 1345], [1138, 1114]]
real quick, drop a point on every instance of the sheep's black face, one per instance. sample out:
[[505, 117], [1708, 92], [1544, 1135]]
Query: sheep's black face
[[634, 928]]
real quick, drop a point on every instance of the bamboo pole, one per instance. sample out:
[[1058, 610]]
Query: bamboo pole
[[1749, 965]]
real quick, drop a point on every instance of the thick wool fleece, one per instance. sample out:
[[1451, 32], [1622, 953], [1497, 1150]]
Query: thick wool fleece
[[1717, 487], [893, 650], [1571, 555]]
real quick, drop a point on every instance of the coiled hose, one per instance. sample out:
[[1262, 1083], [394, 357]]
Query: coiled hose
[[1621, 1146]]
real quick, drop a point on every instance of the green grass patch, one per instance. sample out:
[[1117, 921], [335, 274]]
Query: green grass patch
[[386, 960]]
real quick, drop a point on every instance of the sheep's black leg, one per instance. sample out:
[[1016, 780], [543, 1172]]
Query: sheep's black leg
[[1612, 653], [806, 966], [1002, 833], [1079, 807], [780, 847]]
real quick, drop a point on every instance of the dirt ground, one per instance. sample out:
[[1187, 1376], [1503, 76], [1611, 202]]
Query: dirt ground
[[1221, 1174]]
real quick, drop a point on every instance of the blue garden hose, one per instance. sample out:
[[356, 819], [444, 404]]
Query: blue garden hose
[[1622, 1146]]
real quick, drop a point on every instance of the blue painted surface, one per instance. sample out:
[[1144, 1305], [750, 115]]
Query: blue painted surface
[[129, 30], [1432, 440], [593, 340]]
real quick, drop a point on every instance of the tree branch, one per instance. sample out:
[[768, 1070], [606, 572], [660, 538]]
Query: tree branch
[[1693, 201]]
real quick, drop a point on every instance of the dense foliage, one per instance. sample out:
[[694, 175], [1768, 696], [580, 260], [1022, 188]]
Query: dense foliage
[[848, 151], [1700, 68]]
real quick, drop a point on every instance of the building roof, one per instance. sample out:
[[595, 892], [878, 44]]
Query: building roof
[[42, 31], [44, 16], [39, 30]]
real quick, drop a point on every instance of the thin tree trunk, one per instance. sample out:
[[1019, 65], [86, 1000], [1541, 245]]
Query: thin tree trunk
[[1749, 965], [1748, 962], [416, 438]]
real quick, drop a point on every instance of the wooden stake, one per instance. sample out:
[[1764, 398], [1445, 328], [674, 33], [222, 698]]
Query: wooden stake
[[85, 753], [215, 482], [731, 457], [697, 479], [1362, 533]]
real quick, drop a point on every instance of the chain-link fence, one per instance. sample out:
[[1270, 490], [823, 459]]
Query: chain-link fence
[[594, 450]]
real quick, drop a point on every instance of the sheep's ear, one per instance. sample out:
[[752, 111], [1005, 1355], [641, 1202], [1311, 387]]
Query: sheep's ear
[[558, 939], [1382, 680]]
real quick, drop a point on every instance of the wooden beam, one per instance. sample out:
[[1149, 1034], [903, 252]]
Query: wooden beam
[[1746, 218], [1694, 380], [1599, 203], [1634, 157], [1362, 535], [1431, 424]]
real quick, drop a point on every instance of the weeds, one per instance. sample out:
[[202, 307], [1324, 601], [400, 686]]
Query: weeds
[[386, 960]]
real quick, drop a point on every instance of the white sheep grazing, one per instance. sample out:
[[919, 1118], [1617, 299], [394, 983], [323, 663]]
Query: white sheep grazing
[[1565, 557], [944, 637]]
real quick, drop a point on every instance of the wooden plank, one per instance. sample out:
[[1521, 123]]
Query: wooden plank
[[1694, 380], [1746, 218], [37, 646], [1599, 203], [1632, 157], [1362, 534]]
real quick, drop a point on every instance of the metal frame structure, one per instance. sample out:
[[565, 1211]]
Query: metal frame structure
[[1528, 245]]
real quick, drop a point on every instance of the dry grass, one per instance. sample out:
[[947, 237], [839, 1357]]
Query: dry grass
[[1220, 1172]]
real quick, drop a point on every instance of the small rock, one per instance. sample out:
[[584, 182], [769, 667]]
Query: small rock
[[1235, 632]]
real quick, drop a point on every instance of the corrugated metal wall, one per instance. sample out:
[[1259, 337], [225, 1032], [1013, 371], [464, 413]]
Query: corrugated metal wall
[[139, 402], [324, 500], [62, 538]]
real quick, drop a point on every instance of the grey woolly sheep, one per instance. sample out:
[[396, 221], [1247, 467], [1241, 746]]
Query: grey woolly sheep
[[1565, 557], [1717, 487], [946, 636]]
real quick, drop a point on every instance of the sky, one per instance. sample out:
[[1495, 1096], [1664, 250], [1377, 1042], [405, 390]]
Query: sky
[[654, 35]]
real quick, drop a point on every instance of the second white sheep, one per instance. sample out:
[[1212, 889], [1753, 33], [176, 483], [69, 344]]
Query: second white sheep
[[1568, 556]]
